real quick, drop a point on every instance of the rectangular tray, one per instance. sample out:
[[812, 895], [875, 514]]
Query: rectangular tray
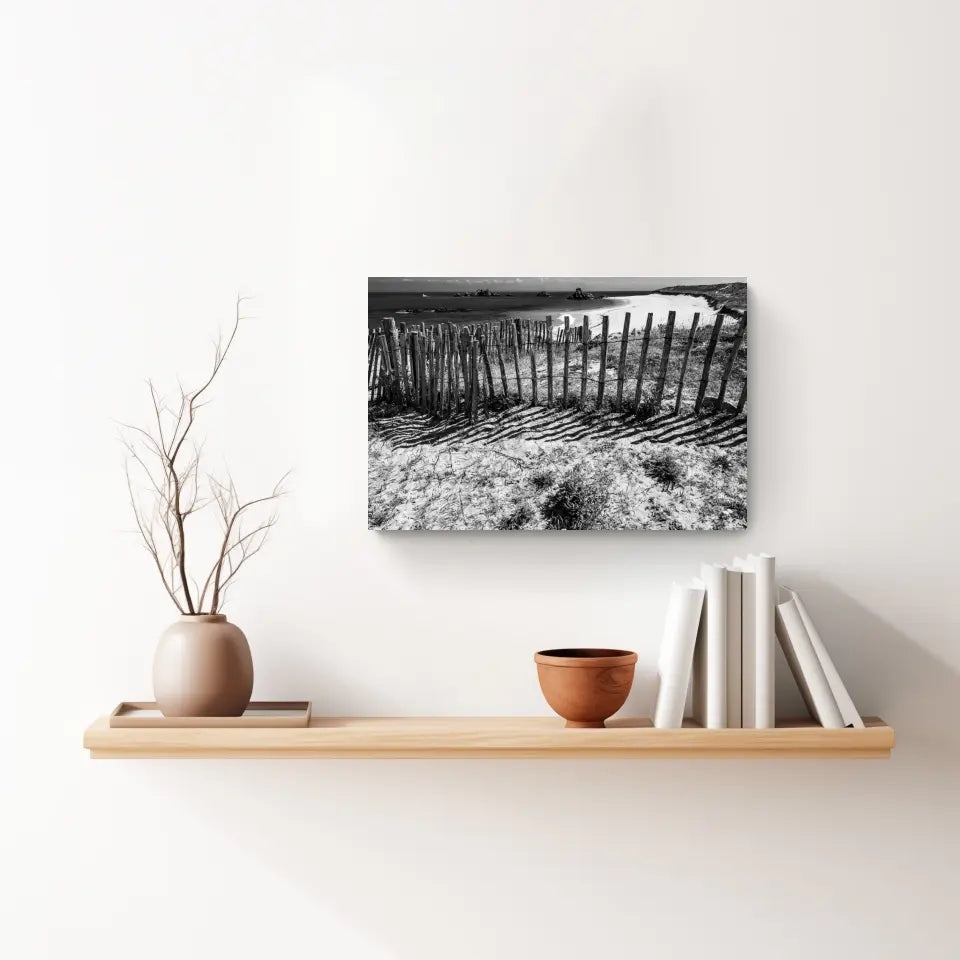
[[260, 713]]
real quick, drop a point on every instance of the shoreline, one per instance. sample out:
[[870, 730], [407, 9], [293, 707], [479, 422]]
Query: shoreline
[[685, 304]]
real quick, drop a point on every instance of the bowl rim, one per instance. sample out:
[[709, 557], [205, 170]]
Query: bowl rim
[[585, 657]]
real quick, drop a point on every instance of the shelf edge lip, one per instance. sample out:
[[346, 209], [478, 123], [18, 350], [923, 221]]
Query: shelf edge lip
[[874, 741], [638, 755]]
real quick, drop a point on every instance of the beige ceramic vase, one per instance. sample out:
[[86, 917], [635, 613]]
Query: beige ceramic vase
[[202, 668]]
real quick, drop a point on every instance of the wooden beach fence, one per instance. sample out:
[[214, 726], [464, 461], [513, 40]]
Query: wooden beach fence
[[447, 369]]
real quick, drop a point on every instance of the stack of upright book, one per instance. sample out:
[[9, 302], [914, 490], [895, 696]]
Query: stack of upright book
[[721, 632]]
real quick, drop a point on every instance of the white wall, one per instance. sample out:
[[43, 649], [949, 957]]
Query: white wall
[[159, 157]]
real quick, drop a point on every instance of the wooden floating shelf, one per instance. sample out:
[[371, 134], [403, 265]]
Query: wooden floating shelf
[[486, 737]]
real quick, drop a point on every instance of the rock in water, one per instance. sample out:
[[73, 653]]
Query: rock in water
[[578, 294]]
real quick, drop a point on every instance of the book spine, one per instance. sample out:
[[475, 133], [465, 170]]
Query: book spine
[[734, 649], [806, 667], [700, 693], [710, 659], [748, 664], [766, 602]]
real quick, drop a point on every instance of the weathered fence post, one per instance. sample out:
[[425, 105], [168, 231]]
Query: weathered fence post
[[585, 341], [533, 377], [443, 387], [707, 360], [375, 384], [516, 358], [548, 336], [605, 331], [449, 353], [415, 350], [728, 368], [410, 355], [743, 398], [378, 370], [424, 345], [465, 370], [622, 366], [566, 357], [405, 363], [475, 380], [437, 370], [481, 381], [423, 354], [441, 368], [486, 363], [372, 349], [431, 372], [644, 347], [393, 345], [683, 364], [451, 364], [455, 378], [500, 364], [393, 349], [664, 360]]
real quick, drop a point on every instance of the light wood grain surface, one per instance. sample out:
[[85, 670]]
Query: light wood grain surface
[[487, 737]]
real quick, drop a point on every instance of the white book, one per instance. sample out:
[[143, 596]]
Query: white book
[[734, 648], [758, 612], [748, 642], [710, 656], [765, 566], [676, 653], [805, 666], [849, 713]]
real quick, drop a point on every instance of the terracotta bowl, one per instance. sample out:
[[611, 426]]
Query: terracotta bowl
[[585, 685]]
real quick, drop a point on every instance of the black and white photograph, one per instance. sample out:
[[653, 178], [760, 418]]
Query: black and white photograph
[[557, 403]]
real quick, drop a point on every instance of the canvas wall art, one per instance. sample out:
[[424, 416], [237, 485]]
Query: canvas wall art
[[557, 403]]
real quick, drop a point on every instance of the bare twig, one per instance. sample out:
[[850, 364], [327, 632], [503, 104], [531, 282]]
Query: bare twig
[[231, 512], [146, 532], [175, 492]]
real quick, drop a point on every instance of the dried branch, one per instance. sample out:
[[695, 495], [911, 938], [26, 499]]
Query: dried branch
[[231, 513], [146, 532], [175, 492]]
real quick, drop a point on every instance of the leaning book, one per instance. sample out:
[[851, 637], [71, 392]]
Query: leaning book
[[849, 712], [676, 653], [805, 666]]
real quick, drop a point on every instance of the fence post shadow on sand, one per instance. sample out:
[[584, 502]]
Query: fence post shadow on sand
[[447, 371]]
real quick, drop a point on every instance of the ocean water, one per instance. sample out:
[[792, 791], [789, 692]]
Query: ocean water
[[442, 307]]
